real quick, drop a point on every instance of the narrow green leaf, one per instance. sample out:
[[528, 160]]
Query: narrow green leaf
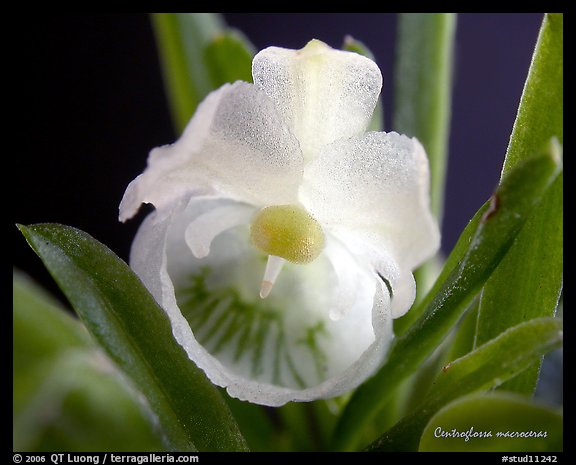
[[296, 426], [308, 423], [181, 40], [352, 45], [454, 259], [511, 296], [411, 392], [528, 282], [228, 58], [422, 88], [198, 54], [463, 339], [124, 318], [261, 433], [496, 422], [66, 393], [41, 332], [497, 224], [540, 115], [80, 404], [485, 368], [40, 326]]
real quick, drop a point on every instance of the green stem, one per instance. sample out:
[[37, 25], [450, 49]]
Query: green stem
[[422, 89]]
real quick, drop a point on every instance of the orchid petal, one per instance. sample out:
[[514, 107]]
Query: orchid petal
[[404, 294], [323, 94], [271, 356], [344, 267], [201, 232], [398, 282], [377, 187], [235, 146]]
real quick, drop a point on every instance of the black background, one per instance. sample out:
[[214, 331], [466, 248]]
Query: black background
[[90, 104]]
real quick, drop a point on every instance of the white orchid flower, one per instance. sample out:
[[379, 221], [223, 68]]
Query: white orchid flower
[[284, 237]]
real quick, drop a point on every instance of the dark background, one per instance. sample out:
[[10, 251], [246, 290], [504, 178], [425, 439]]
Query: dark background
[[91, 104]]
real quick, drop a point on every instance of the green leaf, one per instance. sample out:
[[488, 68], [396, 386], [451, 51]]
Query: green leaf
[[80, 403], [198, 54], [41, 327], [352, 45], [463, 340], [485, 368], [472, 261], [495, 422], [540, 115], [66, 393], [528, 282], [228, 58], [296, 426], [256, 423], [422, 89], [124, 318], [41, 332], [181, 39]]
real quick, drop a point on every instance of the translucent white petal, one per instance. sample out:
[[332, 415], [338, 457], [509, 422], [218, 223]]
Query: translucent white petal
[[201, 232], [367, 247], [324, 94], [404, 294], [236, 146], [376, 185], [269, 351], [346, 270]]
